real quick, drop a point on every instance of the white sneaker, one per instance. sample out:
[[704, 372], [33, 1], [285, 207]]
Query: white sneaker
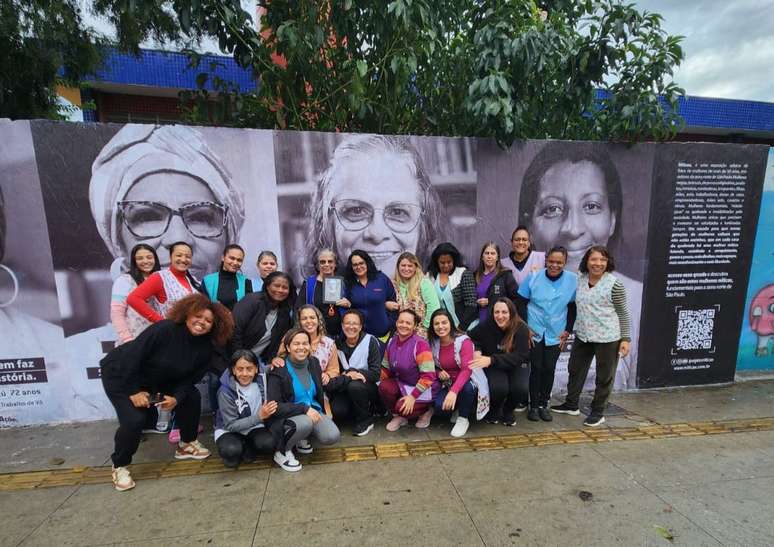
[[460, 427], [287, 461], [122, 479], [304, 447]]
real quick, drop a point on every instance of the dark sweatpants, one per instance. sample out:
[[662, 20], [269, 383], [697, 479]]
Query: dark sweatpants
[[578, 367], [507, 388], [541, 375], [355, 400], [132, 420]]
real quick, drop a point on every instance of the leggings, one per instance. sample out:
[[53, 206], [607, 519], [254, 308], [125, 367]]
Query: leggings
[[507, 389], [234, 447]]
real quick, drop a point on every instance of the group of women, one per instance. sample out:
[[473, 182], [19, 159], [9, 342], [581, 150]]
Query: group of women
[[285, 367]]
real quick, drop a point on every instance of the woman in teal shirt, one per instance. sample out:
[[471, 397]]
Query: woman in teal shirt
[[549, 298]]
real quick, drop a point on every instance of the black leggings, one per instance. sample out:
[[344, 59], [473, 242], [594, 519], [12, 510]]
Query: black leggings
[[132, 420], [541, 376], [507, 389], [234, 447]]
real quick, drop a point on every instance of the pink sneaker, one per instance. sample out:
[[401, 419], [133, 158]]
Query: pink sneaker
[[396, 423], [424, 420], [174, 436]]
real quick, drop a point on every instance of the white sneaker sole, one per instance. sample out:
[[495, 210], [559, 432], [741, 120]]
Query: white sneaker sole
[[365, 432], [192, 456], [568, 412], [285, 467], [595, 424]]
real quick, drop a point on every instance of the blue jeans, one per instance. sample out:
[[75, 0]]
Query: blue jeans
[[466, 400]]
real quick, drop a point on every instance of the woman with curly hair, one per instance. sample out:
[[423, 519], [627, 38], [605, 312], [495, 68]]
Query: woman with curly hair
[[160, 369]]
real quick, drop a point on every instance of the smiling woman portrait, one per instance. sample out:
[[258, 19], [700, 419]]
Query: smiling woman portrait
[[571, 196]]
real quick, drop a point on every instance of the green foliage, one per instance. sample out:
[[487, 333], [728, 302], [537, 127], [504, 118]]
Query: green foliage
[[521, 69], [509, 69], [37, 39]]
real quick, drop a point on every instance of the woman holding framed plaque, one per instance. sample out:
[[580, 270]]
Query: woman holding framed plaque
[[325, 291]]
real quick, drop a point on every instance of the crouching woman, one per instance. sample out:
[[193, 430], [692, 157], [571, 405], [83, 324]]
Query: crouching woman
[[240, 423], [297, 389], [160, 369]]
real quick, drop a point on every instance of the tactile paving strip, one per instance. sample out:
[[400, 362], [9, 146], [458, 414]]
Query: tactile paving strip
[[157, 470]]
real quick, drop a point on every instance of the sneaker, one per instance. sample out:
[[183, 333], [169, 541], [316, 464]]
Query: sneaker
[[460, 427], [454, 416], [154, 431], [424, 419], [174, 436], [564, 408], [362, 431], [533, 415], [492, 419], [396, 423], [287, 461], [509, 420], [545, 414], [520, 407], [304, 447], [594, 419], [191, 451], [122, 479]]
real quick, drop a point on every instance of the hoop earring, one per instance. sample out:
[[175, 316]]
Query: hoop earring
[[15, 286]]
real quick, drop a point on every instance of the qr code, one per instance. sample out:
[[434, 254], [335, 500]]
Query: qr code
[[694, 329]]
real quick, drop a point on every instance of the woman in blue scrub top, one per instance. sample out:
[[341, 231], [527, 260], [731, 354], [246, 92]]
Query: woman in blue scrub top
[[549, 296]]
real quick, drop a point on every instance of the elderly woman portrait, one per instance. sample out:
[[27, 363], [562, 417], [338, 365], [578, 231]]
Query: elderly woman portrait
[[376, 196], [571, 196], [155, 185], [158, 185]]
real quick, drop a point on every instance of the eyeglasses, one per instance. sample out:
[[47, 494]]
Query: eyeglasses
[[326, 261], [148, 219], [358, 265], [355, 215]]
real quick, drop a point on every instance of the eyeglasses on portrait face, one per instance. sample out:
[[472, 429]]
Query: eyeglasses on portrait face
[[149, 219], [355, 215]]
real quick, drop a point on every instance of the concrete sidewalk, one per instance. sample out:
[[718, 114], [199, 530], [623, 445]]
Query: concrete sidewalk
[[695, 490]]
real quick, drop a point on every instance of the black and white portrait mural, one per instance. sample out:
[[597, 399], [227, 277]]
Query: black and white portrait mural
[[574, 194], [77, 199], [148, 184], [381, 194]]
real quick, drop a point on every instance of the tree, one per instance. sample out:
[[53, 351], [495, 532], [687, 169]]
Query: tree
[[519, 69], [46, 43], [574, 69]]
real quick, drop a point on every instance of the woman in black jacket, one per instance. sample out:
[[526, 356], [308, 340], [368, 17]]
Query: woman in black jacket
[[260, 319], [502, 350], [160, 369], [298, 391], [493, 280]]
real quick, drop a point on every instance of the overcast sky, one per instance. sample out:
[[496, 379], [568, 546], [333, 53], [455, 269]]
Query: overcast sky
[[728, 45]]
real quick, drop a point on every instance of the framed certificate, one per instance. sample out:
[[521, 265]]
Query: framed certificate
[[333, 289]]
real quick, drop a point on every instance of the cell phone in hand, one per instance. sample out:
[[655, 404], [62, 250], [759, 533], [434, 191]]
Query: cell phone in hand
[[155, 398]]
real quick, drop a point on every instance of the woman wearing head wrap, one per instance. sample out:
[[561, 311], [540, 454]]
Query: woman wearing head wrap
[[156, 185], [162, 184]]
